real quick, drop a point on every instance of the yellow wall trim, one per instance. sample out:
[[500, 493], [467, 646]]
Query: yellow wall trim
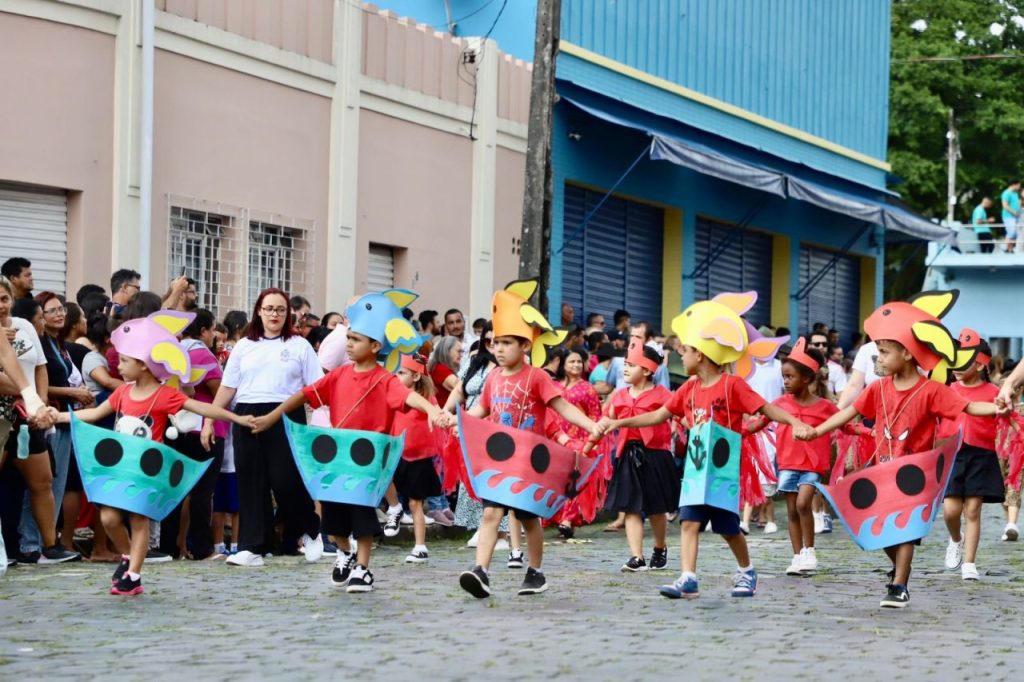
[[781, 266], [867, 288], [738, 112], [672, 268]]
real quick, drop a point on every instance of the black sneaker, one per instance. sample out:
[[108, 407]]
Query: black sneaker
[[126, 587], [361, 580], [29, 557], [634, 565], [121, 569], [56, 554], [897, 597], [659, 559], [515, 558], [533, 583], [393, 524], [566, 531], [476, 582], [343, 566], [155, 556]]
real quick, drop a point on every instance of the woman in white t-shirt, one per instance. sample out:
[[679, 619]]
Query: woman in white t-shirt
[[264, 369], [863, 374], [35, 469]]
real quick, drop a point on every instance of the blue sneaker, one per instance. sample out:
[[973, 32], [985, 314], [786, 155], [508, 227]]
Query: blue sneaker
[[744, 583], [826, 523], [685, 587]]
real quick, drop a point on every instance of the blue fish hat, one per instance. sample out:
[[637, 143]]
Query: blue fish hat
[[379, 316]]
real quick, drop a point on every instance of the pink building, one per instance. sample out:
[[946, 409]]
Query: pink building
[[309, 144]]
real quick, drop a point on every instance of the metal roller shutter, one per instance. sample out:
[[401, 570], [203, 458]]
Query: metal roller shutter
[[616, 261], [34, 225], [744, 265], [380, 268], [835, 299]]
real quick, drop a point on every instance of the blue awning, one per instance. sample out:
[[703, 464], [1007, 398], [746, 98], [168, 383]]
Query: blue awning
[[869, 204]]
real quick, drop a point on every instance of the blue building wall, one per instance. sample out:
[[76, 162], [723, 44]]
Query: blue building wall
[[819, 66]]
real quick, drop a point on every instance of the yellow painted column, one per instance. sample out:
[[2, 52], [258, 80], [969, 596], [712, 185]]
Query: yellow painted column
[[672, 267], [782, 263], [867, 288]]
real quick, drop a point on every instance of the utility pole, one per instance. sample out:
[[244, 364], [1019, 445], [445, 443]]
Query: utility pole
[[535, 244], [952, 154]]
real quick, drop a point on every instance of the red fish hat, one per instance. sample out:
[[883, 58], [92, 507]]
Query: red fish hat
[[917, 326], [635, 355], [799, 355], [971, 340]]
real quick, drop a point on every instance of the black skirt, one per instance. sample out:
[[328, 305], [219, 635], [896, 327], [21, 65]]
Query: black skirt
[[417, 480], [644, 481], [976, 474]]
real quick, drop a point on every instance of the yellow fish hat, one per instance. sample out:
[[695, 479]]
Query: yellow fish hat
[[717, 330], [513, 315]]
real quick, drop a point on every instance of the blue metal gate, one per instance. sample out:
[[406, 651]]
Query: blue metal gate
[[835, 299], [745, 264]]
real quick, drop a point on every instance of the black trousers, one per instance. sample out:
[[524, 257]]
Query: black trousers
[[200, 500], [265, 465]]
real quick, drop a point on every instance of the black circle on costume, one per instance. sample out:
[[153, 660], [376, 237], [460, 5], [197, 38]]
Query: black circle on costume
[[384, 456], [886, 312], [720, 453], [500, 447], [177, 472], [940, 467], [910, 479], [151, 462], [540, 458], [863, 493], [362, 452], [108, 452], [324, 449]]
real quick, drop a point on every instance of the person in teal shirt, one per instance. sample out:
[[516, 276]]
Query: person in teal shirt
[[980, 222], [1011, 214]]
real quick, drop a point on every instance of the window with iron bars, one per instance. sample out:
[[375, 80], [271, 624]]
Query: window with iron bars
[[277, 258], [195, 245]]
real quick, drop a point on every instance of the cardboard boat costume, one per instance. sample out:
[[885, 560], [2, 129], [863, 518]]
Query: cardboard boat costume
[[124, 468], [350, 466], [895, 501], [721, 466], [516, 467]]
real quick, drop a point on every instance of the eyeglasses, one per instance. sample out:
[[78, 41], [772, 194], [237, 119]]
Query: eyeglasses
[[56, 311], [819, 343], [274, 312]]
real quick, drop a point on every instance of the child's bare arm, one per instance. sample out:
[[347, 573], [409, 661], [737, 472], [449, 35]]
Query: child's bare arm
[[977, 409], [294, 402], [218, 413], [841, 417], [658, 416], [575, 416], [90, 415]]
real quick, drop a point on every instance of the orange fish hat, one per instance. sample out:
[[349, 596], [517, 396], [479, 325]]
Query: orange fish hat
[[800, 356], [513, 315], [717, 330], [635, 355], [916, 325]]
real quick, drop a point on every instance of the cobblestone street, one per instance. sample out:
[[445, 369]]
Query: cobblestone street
[[212, 621]]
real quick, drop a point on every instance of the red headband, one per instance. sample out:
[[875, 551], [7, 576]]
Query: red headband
[[800, 356], [411, 363], [636, 356]]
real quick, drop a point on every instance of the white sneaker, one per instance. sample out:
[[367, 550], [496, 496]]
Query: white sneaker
[[501, 545], [417, 556], [428, 521], [796, 566], [406, 519], [954, 554], [1010, 533], [391, 527], [473, 540], [819, 522], [744, 528], [808, 560], [969, 572], [770, 528], [246, 558], [313, 548]]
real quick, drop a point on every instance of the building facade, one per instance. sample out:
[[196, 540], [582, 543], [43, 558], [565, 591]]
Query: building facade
[[704, 146], [318, 145]]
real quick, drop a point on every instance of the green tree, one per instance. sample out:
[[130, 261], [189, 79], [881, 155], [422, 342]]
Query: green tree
[[986, 96]]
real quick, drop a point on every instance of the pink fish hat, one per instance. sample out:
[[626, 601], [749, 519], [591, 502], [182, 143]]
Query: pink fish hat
[[717, 329], [154, 341]]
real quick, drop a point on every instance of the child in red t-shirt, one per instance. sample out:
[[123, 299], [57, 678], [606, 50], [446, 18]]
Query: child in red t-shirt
[[145, 399], [645, 481], [516, 395], [709, 394], [362, 396], [976, 477], [801, 464], [416, 478], [906, 408]]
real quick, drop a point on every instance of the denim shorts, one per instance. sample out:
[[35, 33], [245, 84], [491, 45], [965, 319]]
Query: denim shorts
[[790, 480]]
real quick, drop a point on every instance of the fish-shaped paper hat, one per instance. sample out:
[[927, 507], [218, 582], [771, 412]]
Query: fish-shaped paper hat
[[513, 315], [153, 340], [379, 317]]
